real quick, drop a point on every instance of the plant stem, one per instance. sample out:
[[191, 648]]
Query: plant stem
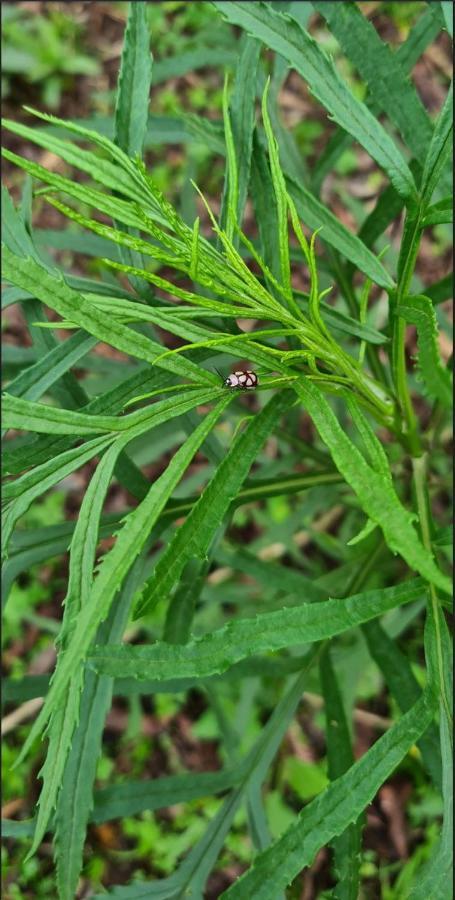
[[406, 265], [408, 255], [419, 467]]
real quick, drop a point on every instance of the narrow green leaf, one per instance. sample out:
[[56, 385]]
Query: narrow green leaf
[[381, 69], [28, 487], [65, 716], [259, 489], [194, 537], [27, 415], [61, 728], [121, 210], [116, 564], [332, 811], [441, 290], [125, 238], [68, 391], [310, 210], [435, 879], [315, 215], [447, 12], [190, 878], [214, 653], [26, 204], [342, 322], [133, 797], [265, 209], [72, 239], [53, 544], [191, 331], [11, 828], [439, 656], [31, 416], [20, 689], [85, 537], [68, 303], [209, 134], [439, 149], [14, 232], [242, 118], [144, 379], [420, 36], [13, 295], [437, 217], [181, 259], [374, 449], [232, 194], [181, 609], [375, 492], [108, 174], [340, 758], [279, 187], [419, 311], [192, 60], [389, 205], [75, 798], [439, 213], [131, 111], [404, 687], [34, 381], [310, 259], [97, 135], [280, 667], [286, 37], [194, 250], [271, 575], [292, 160]]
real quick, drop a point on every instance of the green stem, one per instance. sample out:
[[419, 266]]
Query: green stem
[[373, 391], [406, 265], [419, 466], [260, 489]]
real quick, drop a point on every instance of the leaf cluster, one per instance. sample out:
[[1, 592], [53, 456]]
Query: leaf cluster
[[312, 358]]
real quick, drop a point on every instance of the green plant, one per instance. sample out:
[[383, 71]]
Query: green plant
[[42, 48], [310, 357]]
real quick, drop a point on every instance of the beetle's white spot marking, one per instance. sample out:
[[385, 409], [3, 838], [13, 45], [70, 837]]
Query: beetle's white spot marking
[[233, 380]]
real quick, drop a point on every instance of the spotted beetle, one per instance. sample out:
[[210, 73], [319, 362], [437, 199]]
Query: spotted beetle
[[241, 381]]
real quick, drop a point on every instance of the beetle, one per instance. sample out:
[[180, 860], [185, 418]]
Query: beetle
[[242, 381]]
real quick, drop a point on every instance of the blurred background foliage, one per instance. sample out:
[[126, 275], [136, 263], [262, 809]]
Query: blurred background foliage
[[64, 58]]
